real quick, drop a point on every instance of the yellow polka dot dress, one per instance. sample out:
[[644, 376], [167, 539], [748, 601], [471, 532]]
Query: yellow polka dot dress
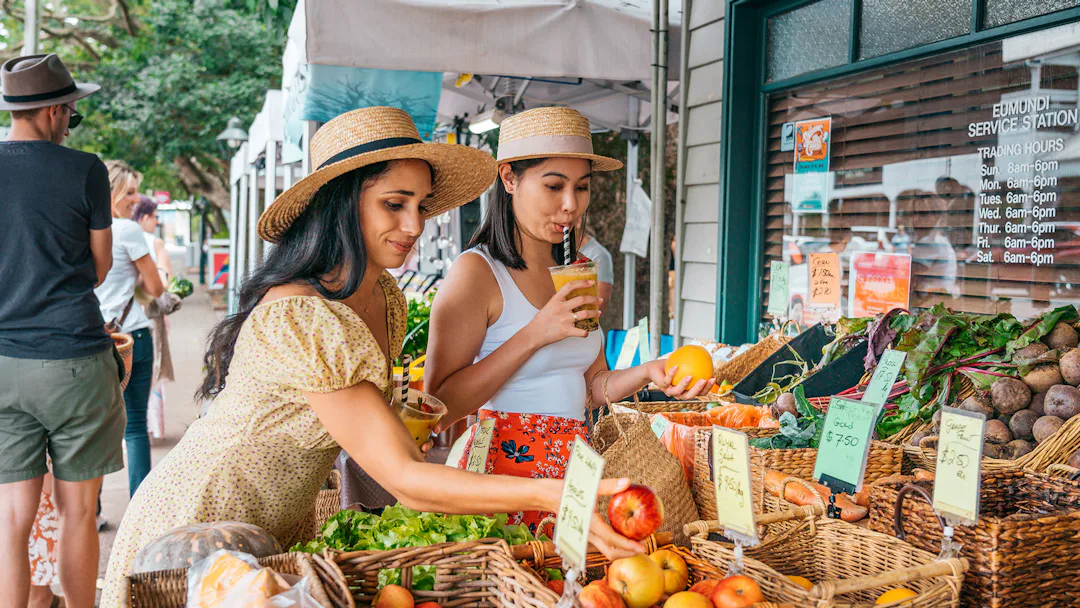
[[260, 455]]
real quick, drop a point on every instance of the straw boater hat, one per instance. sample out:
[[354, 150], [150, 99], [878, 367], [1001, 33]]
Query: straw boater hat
[[374, 135], [39, 81], [550, 132]]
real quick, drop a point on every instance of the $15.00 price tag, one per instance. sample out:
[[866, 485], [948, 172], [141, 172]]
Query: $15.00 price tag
[[959, 461], [734, 498], [845, 444], [478, 449], [578, 503]]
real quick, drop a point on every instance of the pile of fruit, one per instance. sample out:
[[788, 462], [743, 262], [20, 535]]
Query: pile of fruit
[[644, 581]]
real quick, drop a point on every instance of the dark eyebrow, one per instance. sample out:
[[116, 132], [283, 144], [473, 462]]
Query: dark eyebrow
[[401, 192], [557, 174]]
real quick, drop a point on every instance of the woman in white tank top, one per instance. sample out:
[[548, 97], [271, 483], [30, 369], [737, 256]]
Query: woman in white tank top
[[502, 341]]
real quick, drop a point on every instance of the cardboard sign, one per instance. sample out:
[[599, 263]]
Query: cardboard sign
[[734, 496], [583, 474], [878, 283], [845, 444], [959, 462], [824, 269], [888, 368], [478, 449], [778, 289]]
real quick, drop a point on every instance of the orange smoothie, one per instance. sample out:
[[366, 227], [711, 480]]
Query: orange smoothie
[[561, 275], [420, 422]]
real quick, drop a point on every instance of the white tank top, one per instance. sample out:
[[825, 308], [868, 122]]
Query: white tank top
[[552, 381]]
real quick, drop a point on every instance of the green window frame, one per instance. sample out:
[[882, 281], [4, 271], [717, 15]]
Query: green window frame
[[745, 90]]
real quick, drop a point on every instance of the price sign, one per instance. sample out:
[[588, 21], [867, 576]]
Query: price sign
[[959, 461], [478, 449], [734, 499], [778, 289], [659, 425], [845, 444], [888, 368], [583, 474], [824, 280], [644, 354]]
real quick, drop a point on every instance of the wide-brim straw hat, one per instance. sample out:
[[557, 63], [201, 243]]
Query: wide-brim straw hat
[[39, 81], [549, 133], [373, 135]]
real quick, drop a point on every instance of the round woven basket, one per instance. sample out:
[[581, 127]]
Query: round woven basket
[[125, 345]]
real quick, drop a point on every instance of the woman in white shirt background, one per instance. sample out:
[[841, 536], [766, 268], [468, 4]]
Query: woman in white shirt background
[[145, 214], [132, 266]]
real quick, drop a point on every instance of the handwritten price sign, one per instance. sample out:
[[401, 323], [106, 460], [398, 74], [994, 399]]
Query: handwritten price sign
[[478, 449], [845, 444], [734, 500], [778, 289], [578, 503], [824, 269], [959, 461], [888, 368]]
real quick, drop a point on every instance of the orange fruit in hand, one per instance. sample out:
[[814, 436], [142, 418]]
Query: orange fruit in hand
[[692, 360]]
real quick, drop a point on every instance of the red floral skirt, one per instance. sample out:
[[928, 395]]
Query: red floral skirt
[[529, 445]]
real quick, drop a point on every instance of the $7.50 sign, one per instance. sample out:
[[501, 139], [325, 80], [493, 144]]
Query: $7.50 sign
[[845, 444]]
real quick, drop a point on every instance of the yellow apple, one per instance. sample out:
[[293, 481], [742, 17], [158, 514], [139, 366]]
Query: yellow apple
[[688, 599], [676, 572], [638, 580]]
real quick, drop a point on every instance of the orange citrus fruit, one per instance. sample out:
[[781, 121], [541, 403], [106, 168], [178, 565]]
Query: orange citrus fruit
[[801, 581], [895, 595], [692, 360]]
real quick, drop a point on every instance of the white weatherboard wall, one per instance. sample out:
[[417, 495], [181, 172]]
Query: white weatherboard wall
[[698, 249]]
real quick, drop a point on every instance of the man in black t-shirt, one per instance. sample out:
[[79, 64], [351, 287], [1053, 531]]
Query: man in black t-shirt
[[59, 386]]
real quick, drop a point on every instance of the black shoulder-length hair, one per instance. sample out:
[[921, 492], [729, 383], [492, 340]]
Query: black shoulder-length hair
[[325, 239], [499, 234]]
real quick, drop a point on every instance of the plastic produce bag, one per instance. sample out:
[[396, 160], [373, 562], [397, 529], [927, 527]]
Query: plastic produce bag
[[210, 580], [297, 597], [255, 589], [676, 429]]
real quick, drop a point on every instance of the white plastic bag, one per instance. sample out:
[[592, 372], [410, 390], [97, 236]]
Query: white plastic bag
[[210, 580]]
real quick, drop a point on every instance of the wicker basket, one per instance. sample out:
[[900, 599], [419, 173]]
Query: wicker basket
[[1064, 471], [884, 459], [1055, 450], [327, 503], [539, 556], [168, 588], [478, 574], [739, 367], [850, 565], [1023, 552], [125, 345], [664, 407]]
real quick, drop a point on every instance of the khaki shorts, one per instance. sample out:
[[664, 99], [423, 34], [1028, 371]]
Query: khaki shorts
[[71, 409]]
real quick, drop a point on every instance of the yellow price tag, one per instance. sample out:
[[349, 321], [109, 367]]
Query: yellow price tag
[[734, 498], [583, 474], [478, 450], [959, 462]]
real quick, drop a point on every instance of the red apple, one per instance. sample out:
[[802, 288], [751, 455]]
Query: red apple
[[688, 599], [638, 579], [429, 605], [676, 572], [393, 596], [737, 592], [598, 594], [706, 587], [636, 512]]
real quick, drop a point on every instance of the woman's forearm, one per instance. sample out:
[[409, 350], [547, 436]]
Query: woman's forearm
[[469, 388], [619, 384], [442, 489]]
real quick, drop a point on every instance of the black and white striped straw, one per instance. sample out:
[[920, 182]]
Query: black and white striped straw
[[566, 245], [403, 386]]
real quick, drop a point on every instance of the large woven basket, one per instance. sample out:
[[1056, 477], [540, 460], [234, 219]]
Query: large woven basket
[[850, 566], [480, 574], [1055, 450], [168, 588], [884, 459], [632, 450], [125, 345], [1024, 550], [327, 503], [664, 407]]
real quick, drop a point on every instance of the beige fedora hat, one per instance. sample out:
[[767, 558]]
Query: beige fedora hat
[[374, 135], [39, 81], [550, 132]]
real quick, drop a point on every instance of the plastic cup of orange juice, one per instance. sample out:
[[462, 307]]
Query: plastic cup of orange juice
[[420, 415], [586, 271]]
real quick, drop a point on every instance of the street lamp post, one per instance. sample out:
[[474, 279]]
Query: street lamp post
[[230, 140]]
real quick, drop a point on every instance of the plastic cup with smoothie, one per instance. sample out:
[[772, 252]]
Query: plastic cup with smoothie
[[585, 271], [420, 415]]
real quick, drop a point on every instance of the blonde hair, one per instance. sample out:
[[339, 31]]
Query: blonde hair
[[119, 174]]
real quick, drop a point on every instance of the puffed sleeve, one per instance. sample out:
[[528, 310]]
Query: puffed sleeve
[[314, 345]]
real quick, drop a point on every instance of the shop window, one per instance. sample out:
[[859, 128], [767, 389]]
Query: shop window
[[809, 38], [968, 162], [894, 25], [1003, 12]]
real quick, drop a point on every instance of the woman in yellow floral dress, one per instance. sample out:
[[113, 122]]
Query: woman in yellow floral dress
[[302, 370]]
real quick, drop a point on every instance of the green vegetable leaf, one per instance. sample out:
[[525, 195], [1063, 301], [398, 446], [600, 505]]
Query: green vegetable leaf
[[1042, 327]]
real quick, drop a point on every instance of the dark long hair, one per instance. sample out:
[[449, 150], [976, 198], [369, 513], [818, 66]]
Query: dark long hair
[[325, 239], [499, 233]]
